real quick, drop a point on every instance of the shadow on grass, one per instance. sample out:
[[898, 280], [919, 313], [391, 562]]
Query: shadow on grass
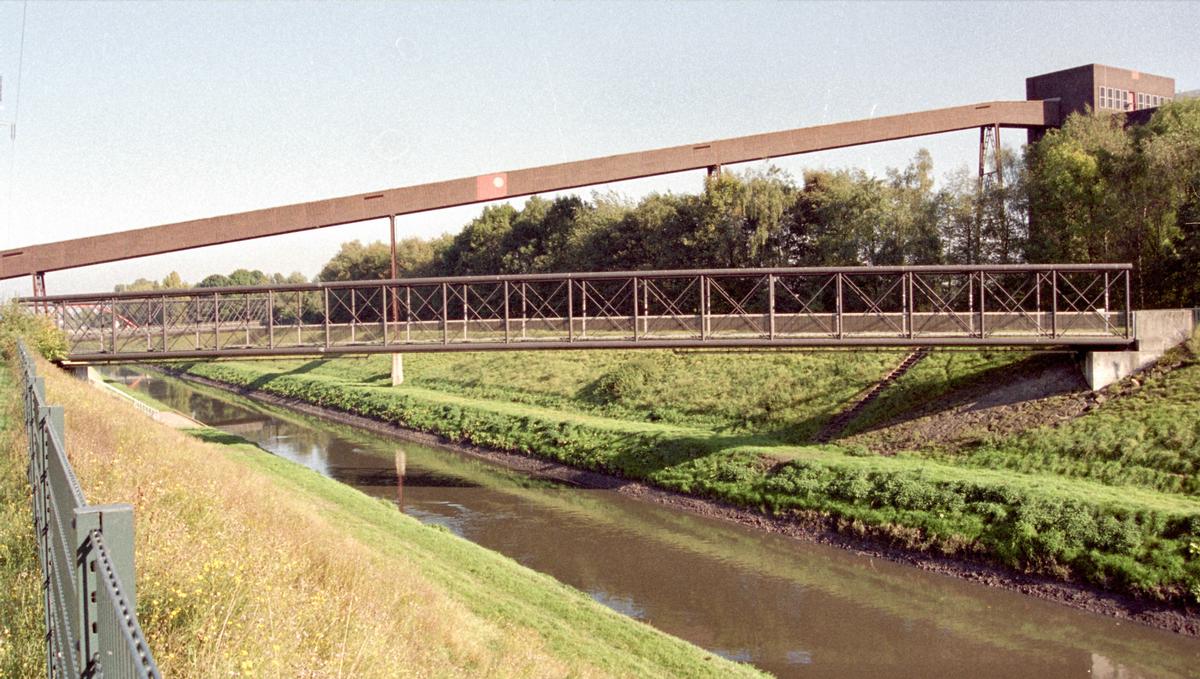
[[1001, 386], [260, 381], [210, 435]]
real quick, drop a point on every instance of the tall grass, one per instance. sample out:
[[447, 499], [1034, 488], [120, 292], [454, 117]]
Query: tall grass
[[22, 652]]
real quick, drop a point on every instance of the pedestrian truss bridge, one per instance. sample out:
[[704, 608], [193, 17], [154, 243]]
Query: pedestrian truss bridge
[[1016, 306]]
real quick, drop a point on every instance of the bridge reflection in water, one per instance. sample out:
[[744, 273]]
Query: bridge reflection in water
[[1010, 305]]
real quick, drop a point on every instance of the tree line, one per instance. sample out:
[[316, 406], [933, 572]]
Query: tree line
[[1095, 190]]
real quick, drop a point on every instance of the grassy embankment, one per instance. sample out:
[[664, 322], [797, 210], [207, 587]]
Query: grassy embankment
[[732, 427], [248, 565]]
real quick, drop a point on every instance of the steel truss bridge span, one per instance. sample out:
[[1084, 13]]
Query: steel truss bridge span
[[1085, 305]]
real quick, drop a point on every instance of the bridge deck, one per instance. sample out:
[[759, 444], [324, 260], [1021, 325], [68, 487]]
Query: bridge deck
[[1032, 306]]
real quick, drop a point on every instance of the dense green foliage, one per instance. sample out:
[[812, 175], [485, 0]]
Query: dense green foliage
[[1102, 192], [1130, 539]]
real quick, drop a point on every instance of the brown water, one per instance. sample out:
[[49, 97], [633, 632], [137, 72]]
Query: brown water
[[794, 609]]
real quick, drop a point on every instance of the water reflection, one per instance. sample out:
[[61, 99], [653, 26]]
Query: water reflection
[[790, 608]]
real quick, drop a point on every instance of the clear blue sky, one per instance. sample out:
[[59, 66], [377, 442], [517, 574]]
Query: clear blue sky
[[134, 114]]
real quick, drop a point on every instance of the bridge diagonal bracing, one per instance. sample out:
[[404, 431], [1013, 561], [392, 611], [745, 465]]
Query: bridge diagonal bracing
[[1084, 305]]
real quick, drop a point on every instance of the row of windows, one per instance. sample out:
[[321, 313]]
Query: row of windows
[[1114, 99], [1123, 100], [1150, 100]]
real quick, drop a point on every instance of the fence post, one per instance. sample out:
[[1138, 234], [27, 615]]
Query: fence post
[[910, 303], [115, 521], [445, 315], [86, 636]]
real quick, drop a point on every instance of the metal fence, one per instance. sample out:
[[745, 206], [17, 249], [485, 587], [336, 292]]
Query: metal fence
[[86, 554], [1018, 305]]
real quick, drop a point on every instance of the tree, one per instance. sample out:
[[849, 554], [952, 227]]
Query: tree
[[173, 281], [357, 262], [139, 285], [540, 234], [1102, 192], [216, 280], [478, 248], [742, 218]]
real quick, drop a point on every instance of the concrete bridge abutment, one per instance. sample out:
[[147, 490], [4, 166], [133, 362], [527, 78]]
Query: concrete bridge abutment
[[1156, 330]]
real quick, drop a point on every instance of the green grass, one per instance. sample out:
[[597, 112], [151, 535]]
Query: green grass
[[22, 651], [788, 395], [1149, 437], [1138, 540]]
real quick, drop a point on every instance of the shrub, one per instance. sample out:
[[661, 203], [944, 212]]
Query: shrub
[[38, 331]]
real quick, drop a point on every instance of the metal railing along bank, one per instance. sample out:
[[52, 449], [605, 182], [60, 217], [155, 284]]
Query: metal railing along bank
[[86, 554], [1010, 305]]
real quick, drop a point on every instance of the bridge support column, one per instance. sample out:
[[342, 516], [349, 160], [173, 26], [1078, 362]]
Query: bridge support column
[[39, 289], [1156, 330], [86, 373], [397, 369]]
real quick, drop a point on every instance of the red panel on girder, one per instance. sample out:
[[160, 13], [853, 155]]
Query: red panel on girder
[[491, 186]]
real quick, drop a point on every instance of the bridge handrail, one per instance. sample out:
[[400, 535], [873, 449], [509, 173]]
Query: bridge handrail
[[86, 556], [578, 276]]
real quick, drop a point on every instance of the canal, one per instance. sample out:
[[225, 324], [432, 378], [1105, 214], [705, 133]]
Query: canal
[[791, 608]]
